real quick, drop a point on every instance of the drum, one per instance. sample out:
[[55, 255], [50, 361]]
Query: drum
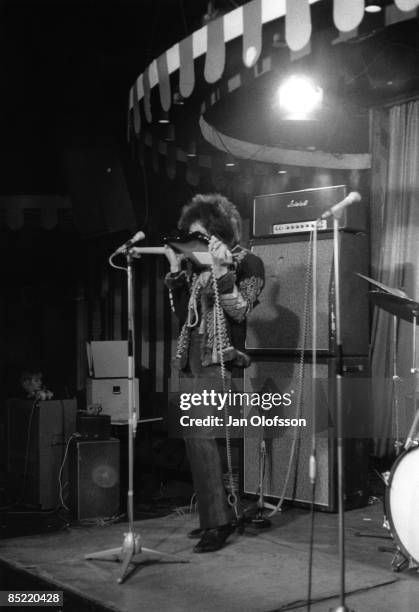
[[402, 503]]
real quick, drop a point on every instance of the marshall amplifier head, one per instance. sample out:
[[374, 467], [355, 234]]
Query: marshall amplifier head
[[294, 212]]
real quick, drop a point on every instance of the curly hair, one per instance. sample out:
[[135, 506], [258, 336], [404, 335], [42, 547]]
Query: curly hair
[[216, 213]]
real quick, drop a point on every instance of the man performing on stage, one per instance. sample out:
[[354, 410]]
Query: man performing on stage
[[212, 304]]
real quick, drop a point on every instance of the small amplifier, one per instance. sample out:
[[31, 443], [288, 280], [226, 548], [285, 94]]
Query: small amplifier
[[295, 212], [97, 426]]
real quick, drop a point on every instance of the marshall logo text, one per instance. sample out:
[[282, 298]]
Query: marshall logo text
[[295, 203]]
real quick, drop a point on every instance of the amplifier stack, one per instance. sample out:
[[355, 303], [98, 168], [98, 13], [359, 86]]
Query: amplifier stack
[[281, 238]]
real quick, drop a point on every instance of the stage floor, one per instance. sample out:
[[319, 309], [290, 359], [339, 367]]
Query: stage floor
[[257, 571]]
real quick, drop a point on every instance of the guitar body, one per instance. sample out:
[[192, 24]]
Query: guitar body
[[192, 246]]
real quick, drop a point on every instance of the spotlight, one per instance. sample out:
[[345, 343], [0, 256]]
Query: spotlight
[[373, 6], [164, 117], [230, 163], [299, 98], [281, 170], [191, 150]]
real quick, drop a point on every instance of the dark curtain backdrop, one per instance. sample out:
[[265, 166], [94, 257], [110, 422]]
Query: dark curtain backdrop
[[395, 255]]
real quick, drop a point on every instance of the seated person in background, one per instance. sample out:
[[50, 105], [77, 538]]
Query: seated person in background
[[33, 386]]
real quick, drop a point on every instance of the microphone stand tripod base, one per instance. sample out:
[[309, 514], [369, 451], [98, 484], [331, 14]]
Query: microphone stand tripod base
[[131, 547], [259, 522]]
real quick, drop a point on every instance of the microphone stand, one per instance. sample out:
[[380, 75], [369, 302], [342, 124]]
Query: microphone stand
[[131, 545], [313, 455], [336, 212], [339, 416]]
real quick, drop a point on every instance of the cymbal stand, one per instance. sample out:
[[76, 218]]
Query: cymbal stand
[[395, 392], [131, 545], [414, 370]]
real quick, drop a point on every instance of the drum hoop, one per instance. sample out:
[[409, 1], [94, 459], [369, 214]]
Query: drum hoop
[[389, 516]]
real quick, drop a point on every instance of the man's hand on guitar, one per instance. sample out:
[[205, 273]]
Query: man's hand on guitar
[[221, 256], [173, 258]]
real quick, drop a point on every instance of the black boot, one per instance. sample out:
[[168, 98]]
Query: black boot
[[196, 533], [214, 539]]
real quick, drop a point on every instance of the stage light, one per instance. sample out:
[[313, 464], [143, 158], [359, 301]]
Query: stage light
[[373, 7], [230, 163], [191, 150], [299, 98], [164, 117]]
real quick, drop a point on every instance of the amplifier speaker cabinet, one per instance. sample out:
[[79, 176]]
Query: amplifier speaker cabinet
[[94, 478], [293, 212], [283, 374], [37, 438], [276, 324]]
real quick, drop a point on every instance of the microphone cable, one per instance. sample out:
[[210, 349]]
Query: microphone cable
[[28, 442], [113, 265], [300, 378]]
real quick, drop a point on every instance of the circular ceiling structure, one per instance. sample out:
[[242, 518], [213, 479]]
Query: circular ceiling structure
[[219, 83]]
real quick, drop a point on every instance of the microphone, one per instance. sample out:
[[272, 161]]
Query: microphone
[[336, 209], [128, 244]]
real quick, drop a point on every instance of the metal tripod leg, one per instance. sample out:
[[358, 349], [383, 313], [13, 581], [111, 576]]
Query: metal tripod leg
[[399, 562], [131, 547]]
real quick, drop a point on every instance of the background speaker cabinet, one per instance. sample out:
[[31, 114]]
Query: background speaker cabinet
[[37, 437], [94, 478], [276, 325], [283, 373]]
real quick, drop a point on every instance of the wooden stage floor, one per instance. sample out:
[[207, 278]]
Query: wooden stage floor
[[257, 571]]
